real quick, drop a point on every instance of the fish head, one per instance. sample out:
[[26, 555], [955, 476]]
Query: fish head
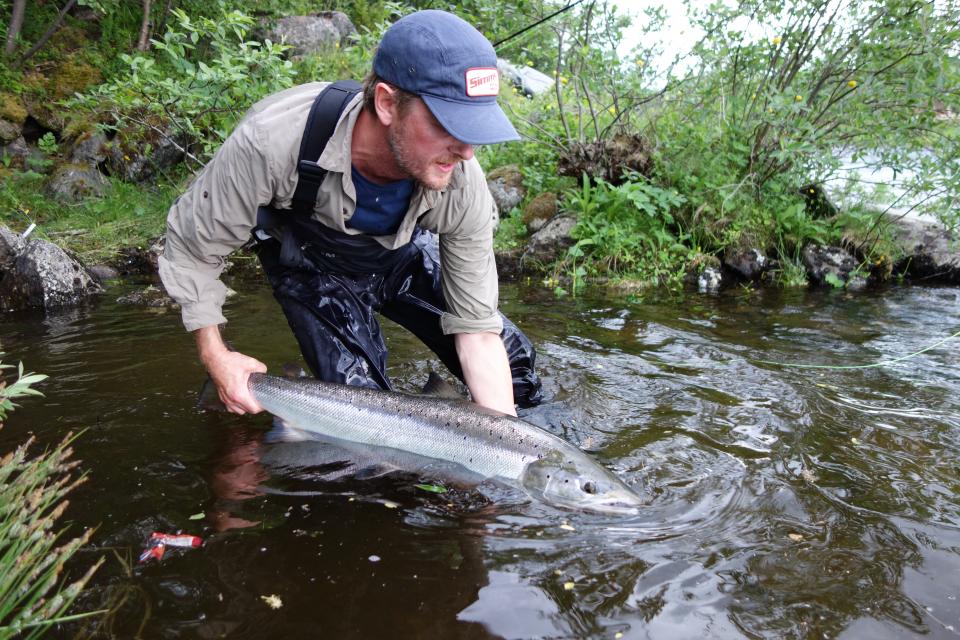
[[578, 483]]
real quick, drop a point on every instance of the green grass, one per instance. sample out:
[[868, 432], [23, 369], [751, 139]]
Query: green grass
[[95, 229]]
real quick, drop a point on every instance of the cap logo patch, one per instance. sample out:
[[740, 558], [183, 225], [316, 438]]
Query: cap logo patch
[[483, 81]]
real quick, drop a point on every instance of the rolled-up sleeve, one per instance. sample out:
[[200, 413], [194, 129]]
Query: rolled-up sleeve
[[213, 218], [468, 268]]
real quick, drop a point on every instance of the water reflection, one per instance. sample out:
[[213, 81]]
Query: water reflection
[[783, 502]]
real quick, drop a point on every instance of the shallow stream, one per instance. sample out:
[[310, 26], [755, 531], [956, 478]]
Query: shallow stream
[[783, 501]]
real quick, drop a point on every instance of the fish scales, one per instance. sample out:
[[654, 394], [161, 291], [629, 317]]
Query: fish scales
[[491, 446], [483, 441]]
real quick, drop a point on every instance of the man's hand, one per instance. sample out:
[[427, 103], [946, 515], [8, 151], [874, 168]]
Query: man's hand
[[229, 371], [486, 370]]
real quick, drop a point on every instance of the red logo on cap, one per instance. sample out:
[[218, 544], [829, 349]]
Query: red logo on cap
[[483, 81]]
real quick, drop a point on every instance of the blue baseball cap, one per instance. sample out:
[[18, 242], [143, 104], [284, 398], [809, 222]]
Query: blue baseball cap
[[453, 68]]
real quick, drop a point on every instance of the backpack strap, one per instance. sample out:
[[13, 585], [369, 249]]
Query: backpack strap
[[324, 114]]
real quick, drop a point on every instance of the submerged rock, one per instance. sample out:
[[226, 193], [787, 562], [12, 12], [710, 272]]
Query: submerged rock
[[149, 296], [44, 275]]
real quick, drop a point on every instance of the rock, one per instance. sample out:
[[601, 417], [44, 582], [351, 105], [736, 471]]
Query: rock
[[75, 183], [747, 265], [930, 250], [508, 263], [139, 160], [17, 151], [313, 34], [150, 296], [704, 273], [546, 245], [611, 160], [12, 109], [11, 246], [140, 260], [506, 187], [103, 272], [91, 149], [527, 79], [828, 265], [709, 280], [539, 210], [45, 276], [9, 131]]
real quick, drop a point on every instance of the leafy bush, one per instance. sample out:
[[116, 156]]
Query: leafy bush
[[627, 230], [205, 75]]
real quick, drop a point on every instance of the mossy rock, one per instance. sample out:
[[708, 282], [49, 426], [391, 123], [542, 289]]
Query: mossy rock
[[12, 108], [539, 210], [72, 77], [510, 175]]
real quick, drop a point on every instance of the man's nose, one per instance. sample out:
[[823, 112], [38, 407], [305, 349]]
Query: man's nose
[[462, 149]]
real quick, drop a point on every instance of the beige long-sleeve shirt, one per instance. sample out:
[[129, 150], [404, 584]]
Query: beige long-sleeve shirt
[[256, 166]]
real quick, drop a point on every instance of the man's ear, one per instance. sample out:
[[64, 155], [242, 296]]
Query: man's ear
[[385, 101]]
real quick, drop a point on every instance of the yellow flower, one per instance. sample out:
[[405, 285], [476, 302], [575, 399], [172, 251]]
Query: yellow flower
[[126, 157], [563, 80], [639, 62], [799, 98], [777, 40], [812, 190], [852, 84], [612, 111]]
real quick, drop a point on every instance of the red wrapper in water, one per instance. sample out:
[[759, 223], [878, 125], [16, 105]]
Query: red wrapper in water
[[153, 552], [176, 540]]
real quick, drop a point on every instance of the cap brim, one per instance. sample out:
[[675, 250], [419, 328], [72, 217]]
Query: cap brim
[[473, 123]]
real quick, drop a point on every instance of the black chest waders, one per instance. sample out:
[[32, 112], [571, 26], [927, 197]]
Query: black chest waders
[[331, 285]]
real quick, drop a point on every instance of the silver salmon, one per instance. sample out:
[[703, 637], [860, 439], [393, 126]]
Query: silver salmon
[[485, 442]]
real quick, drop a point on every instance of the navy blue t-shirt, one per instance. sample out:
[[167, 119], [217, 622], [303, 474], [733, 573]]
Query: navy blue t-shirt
[[380, 207]]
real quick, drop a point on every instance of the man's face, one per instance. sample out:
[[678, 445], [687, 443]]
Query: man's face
[[423, 148]]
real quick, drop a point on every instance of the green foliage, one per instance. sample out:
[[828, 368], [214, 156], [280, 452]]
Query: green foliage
[[511, 233], [760, 115], [628, 231], [127, 215], [206, 73], [32, 499], [48, 144]]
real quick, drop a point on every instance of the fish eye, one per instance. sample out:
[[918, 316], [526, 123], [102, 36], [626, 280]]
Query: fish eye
[[589, 487]]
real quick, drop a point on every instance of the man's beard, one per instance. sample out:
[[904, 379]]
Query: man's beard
[[414, 167]]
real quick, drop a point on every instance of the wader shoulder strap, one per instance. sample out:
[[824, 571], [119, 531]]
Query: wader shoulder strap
[[326, 110]]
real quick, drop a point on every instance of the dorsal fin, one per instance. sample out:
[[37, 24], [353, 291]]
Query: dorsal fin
[[439, 388]]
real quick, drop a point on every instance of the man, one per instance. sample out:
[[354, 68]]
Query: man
[[399, 167]]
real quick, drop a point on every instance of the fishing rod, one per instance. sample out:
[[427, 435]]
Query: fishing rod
[[881, 363], [537, 23]]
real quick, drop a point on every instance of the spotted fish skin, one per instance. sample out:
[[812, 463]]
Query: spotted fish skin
[[485, 442]]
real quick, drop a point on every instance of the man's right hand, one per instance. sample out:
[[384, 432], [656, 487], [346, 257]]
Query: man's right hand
[[229, 371]]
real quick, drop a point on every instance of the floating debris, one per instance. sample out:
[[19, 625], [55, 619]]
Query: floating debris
[[432, 488], [272, 601], [796, 537], [374, 558], [389, 504], [567, 527], [568, 586], [198, 516]]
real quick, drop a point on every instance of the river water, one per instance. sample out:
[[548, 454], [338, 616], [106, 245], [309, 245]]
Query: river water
[[783, 501]]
